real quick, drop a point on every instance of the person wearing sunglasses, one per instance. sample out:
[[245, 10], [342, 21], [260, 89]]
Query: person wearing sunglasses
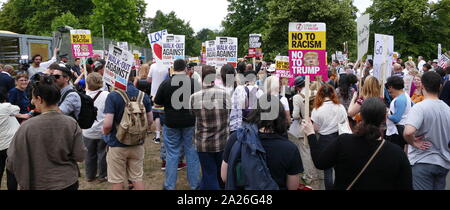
[[70, 102]]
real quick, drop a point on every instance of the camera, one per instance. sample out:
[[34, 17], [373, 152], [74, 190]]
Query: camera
[[24, 63]]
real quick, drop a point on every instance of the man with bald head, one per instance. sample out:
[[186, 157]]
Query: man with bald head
[[398, 70]]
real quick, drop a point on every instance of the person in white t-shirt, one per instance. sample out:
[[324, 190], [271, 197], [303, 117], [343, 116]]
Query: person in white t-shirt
[[93, 137], [39, 66], [327, 114], [158, 73], [421, 63]]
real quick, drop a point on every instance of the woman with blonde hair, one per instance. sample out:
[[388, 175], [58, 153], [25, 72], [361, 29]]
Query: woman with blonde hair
[[371, 88], [140, 81], [272, 86], [417, 95]]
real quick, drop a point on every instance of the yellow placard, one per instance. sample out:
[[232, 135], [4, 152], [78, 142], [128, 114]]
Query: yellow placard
[[307, 40], [282, 64], [80, 39]]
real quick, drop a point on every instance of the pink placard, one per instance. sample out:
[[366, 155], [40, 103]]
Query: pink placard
[[307, 62]]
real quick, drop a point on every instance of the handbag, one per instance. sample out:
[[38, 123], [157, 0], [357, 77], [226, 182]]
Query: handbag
[[367, 164], [344, 127], [296, 129]]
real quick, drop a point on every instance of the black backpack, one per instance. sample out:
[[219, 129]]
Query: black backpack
[[88, 112]]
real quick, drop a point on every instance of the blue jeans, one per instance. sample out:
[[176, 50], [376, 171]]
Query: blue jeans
[[324, 141], [174, 138], [210, 163], [428, 176], [162, 151]]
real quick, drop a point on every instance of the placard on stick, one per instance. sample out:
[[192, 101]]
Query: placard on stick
[[118, 67]]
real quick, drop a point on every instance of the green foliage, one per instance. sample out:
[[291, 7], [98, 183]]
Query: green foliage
[[13, 15], [35, 16], [207, 34], [121, 19], [174, 25], [417, 25], [245, 17], [67, 19], [339, 16]]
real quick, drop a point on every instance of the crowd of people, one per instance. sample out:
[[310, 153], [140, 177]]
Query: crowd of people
[[237, 127]]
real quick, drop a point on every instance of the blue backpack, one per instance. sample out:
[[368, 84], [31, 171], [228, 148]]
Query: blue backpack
[[247, 167]]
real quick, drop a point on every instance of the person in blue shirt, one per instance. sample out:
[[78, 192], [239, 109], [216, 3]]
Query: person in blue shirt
[[18, 96], [6, 81], [122, 158], [399, 109]]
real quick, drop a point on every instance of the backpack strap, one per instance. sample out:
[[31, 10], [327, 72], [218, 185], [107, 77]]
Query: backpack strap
[[247, 100], [96, 96], [140, 100], [65, 95], [123, 95]]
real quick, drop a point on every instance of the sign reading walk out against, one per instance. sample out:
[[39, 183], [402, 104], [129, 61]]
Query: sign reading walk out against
[[81, 43], [226, 51], [156, 44], [210, 52], [282, 67], [307, 50], [173, 48], [118, 67], [363, 24], [383, 55]]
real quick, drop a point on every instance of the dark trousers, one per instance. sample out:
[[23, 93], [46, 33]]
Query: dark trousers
[[95, 158], [324, 141], [10, 179], [72, 187], [210, 163]]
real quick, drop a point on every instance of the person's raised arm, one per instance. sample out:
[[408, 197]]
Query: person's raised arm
[[354, 108]]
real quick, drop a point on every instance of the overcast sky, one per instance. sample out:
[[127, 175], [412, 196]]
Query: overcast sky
[[194, 12]]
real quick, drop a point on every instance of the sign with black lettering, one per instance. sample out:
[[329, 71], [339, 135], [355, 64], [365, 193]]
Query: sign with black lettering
[[118, 67]]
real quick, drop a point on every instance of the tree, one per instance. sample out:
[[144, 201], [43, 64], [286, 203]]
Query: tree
[[121, 19], [206, 34], [339, 16], [13, 15], [35, 16], [67, 19], [417, 25], [174, 25], [245, 17]]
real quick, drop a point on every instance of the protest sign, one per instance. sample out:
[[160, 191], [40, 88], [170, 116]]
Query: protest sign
[[100, 52], [155, 42], [211, 52], [226, 51], [339, 56], [384, 49], [439, 50], [203, 53], [123, 45], [363, 30], [307, 50], [282, 67], [118, 67], [173, 48], [81, 43], [254, 45]]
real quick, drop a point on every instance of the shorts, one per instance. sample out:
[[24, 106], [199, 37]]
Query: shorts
[[156, 115], [123, 161]]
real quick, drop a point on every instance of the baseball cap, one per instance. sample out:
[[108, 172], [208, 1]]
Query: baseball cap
[[435, 61]]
